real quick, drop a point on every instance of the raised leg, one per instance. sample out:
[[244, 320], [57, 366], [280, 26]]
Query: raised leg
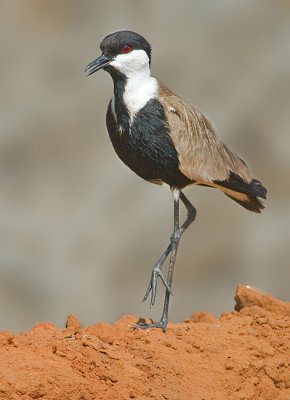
[[171, 248]]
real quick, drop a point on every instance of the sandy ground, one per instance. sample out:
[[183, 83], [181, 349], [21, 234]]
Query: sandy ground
[[244, 354]]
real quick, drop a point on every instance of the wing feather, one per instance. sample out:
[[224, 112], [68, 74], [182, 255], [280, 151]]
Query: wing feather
[[203, 157]]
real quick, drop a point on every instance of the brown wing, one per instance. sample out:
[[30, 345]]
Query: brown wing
[[203, 157]]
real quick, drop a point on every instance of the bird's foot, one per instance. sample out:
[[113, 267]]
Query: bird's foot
[[152, 288], [141, 324]]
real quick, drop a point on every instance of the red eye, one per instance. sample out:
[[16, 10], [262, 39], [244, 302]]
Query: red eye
[[126, 49]]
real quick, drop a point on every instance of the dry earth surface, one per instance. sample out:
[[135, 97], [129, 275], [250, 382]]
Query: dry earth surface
[[244, 354]]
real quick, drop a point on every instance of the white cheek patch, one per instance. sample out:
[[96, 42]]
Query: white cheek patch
[[140, 86], [130, 64]]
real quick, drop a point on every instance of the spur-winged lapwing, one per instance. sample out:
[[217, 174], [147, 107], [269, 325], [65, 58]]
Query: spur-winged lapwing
[[165, 140]]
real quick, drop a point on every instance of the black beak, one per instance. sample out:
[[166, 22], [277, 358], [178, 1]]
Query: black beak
[[99, 63]]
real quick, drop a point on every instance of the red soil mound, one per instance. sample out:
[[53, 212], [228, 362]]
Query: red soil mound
[[245, 354]]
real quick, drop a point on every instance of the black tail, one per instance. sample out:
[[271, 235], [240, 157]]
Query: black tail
[[246, 194]]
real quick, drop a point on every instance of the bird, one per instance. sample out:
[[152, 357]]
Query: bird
[[165, 140]]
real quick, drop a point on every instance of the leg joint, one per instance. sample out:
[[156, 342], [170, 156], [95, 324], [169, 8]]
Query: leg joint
[[175, 236], [191, 213]]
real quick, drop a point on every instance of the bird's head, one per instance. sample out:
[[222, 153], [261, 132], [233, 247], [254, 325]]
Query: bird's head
[[123, 52]]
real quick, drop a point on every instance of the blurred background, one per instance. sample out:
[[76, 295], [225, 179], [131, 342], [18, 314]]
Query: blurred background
[[79, 231]]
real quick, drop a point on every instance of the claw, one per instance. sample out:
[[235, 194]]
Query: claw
[[147, 291], [153, 285], [142, 325]]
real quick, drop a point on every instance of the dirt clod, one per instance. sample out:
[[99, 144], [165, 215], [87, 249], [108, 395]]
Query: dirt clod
[[72, 322]]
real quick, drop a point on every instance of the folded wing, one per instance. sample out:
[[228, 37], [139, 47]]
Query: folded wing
[[204, 158]]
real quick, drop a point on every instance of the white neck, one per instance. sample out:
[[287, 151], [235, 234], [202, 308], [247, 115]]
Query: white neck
[[138, 91]]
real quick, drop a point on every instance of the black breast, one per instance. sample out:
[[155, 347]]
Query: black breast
[[146, 146]]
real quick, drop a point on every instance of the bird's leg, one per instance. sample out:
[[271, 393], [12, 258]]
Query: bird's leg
[[174, 241], [157, 269], [191, 214], [172, 247]]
